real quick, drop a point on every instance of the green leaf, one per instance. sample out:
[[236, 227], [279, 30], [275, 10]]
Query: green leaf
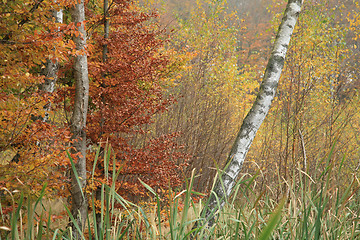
[[273, 221], [75, 173]]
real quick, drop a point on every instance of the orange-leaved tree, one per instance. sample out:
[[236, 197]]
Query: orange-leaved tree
[[30, 145], [125, 92], [128, 67]]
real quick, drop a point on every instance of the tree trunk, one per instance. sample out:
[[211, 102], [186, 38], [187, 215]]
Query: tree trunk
[[104, 57], [51, 71], [106, 28], [222, 189], [78, 120]]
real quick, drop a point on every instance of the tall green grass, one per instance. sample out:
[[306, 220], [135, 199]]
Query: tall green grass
[[315, 206]]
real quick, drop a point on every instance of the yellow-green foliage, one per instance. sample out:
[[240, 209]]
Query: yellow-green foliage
[[316, 104]]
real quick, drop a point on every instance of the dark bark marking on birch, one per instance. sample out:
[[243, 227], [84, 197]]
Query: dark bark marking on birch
[[246, 129], [268, 93], [236, 163], [279, 61], [262, 112], [285, 46], [272, 65]]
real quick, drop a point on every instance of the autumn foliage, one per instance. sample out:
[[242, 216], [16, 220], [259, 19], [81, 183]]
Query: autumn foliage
[[163, 100], [317, 98], [32, 150], [125, 93]]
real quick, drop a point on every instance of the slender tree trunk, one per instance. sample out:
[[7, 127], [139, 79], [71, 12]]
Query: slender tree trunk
[[106, 29], [251, 124], [102, 120], [51, 71], [78, 120]]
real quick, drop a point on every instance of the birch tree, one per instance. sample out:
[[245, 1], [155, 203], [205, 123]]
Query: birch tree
[[51, 69], [78, 120], [227, 179]]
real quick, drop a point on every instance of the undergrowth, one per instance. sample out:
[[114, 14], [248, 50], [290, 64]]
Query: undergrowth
[[314, 207]]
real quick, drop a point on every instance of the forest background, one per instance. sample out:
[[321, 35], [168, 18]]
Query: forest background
[[170, 91]]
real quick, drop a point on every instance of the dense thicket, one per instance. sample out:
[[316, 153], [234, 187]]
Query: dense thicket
[[126, 91], [175, 86]]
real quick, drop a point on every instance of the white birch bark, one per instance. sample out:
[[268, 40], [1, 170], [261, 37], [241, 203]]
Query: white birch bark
[[51, 71], [257, 114], [78, 120]]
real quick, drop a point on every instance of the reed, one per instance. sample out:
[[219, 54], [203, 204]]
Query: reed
[[316, 206]]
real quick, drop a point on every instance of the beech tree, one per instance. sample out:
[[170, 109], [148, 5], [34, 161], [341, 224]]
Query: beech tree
[[78, 120], [227, 179], [127, 67]]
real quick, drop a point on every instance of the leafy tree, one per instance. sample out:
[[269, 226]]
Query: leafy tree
[[226, 181], [314, 107], [32, 147], [126, 92]]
